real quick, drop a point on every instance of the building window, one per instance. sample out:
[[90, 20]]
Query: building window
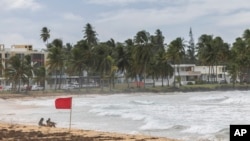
[[220, 75]]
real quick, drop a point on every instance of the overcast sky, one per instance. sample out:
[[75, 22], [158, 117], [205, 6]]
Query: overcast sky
[[22, 20]]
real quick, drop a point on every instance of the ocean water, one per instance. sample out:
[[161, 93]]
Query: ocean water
[[194, 116]]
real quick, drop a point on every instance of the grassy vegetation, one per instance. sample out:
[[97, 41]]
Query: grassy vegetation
[[123, 88]]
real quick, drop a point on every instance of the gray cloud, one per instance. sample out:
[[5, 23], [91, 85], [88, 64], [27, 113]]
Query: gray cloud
[[20, 4], [124, 19]]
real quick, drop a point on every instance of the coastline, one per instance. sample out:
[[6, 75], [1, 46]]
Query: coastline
[[131, 90], [24, 132], [31, 132], [76, 134]]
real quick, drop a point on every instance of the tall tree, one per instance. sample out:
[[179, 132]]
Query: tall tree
[[90, 35], [82, 59], [191, 48], [207, 53], [164, 68], [40, 75], [175, 54], [17, 71], [158, 40], [142, 53], [123, 60], [56, 59], [241, 57], [45, 35], [104, 62]]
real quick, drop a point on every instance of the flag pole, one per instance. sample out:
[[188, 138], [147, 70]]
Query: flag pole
[[70, 117]]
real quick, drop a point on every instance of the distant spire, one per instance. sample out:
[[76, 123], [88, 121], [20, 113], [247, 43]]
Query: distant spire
[[190, 32]]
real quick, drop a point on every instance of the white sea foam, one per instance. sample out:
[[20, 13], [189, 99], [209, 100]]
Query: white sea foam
[[213, 97], [153, 124], [201, 129], [237, 99], [142, 102]]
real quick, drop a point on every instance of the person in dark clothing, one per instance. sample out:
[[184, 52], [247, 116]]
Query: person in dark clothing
[[50, 123], [40, 123]]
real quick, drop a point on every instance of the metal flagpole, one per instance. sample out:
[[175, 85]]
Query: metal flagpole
[[70, 118]]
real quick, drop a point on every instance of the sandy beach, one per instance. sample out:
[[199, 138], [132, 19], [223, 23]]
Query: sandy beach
[[37, 133], [20, 132]]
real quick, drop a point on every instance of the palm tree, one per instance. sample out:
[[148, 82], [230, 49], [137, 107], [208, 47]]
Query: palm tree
[[17, 71], [246, 37], [103, 62], [164, 68], [142, 53], [233, 67], [207, 52], [40, 75], [45, 35], [29, 73], [158, 41], [78, 61], [82, 59], [90, 35], [1, 68], [175, 54], [221, 51], [114, 54], [56, 59], [241, 51], [124, 59]]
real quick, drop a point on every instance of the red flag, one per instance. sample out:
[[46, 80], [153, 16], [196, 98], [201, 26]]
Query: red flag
[[63, 103]]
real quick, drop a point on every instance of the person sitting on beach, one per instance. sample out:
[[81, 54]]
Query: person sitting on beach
[[40, 123], [50, 123]]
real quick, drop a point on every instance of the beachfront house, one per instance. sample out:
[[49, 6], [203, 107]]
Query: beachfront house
[[215, 74], [190, 74], [186, 72]]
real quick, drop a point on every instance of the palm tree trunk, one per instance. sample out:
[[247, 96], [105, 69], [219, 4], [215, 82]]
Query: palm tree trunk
[[110, 83], [127, 79], [168, 80], [162, 81], [60, 81], [153, 80], [56, 80], [144, 75], [216, 73], [224, 70], [179, 77], [209, 67], [80, 80], [174, 74], [19, 84]]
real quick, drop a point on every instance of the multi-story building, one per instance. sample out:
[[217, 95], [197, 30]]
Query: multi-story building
[[213, 73], [187, 73], [37, 58], [190, 73]]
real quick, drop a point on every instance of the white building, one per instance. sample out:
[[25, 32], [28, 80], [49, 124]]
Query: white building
[[190, 73], [187, 73], [213, 74]]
